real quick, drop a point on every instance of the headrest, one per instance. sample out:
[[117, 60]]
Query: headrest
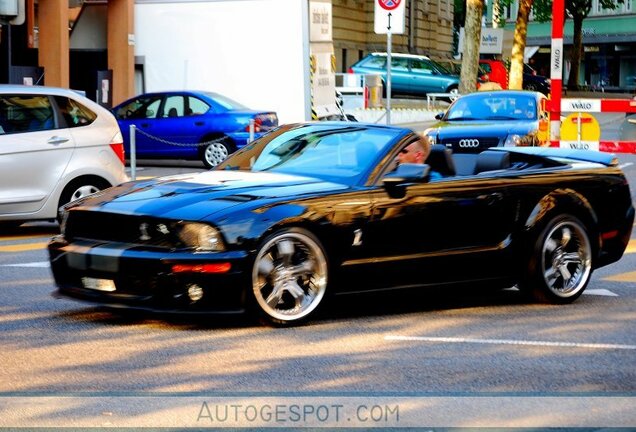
[[441, 160], [490, 160]]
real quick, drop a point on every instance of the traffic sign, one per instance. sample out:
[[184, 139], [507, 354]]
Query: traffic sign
[[389, 16], [580, 131]]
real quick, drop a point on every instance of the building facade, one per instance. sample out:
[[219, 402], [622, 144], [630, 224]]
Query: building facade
[[609, 44], [428, 30]]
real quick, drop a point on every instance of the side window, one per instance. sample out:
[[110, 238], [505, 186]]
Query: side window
[[25, 113], [174, 107], [140, 108], [74, 112], [421, 66], [399, 64], [196, 106]]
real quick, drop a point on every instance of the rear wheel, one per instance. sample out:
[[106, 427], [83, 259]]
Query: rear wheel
[[531, 87], [289, 277], [560, 266], [215, 150], [454, 94]]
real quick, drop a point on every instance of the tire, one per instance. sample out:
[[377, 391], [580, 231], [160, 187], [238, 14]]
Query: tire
[[81, 187], [289, 277], [455, 94], [216, 152], [531, 87], [560, 265]]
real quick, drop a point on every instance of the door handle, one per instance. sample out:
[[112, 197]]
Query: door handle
[[199, 123], [57, 140]]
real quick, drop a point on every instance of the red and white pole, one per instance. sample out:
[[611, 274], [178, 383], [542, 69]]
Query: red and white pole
[[556, 69]]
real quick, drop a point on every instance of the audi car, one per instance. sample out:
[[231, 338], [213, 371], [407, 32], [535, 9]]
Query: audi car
[[317, 209], [502, 118]]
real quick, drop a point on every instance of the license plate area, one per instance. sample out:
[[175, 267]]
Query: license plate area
[[106, 285]]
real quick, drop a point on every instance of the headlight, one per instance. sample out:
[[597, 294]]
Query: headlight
[[201, 237], [512, 141]]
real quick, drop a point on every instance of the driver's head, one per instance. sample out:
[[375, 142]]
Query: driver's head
[[416, 152]]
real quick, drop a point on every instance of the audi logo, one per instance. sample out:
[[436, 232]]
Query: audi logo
[[469, 143]]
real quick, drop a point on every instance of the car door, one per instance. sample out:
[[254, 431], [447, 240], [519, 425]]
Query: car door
[[452, 230], [426, 78], [177, 131], [142, 112], [35, 148], [400, 75]]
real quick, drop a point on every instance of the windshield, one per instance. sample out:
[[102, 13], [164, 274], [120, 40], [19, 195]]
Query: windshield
[[493, 106], [333, 152]]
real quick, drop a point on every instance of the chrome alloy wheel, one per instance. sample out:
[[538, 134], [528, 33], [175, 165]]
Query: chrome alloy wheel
[[83, 191], [289, 278], [566, 259], [215, 153]]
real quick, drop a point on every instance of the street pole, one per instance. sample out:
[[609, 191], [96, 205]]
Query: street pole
[[133, 152], [388, 73]]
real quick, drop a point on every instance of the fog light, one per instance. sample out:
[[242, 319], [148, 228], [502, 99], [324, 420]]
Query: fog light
[[195, 292]]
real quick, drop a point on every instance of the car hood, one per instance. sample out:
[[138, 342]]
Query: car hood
[[478, 128], [199, 195]]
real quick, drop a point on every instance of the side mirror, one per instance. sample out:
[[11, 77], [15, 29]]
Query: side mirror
[[439, 116], [407, 173]]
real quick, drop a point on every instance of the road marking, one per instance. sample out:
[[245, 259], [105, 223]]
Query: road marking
[[23, 247], [509, 342], [600, 292], [25, 237], [622, 277], [631, 247], [41, 264], [15, 283], [625, 165]]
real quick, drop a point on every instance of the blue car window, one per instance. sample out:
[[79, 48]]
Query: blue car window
[[400, 64], [196, 106], [174, 107], [421, 66]]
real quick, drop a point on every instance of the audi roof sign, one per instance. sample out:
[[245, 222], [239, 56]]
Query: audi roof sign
[[389, 16]]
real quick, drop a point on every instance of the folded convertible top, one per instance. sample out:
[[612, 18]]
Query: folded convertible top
[[607, 159]]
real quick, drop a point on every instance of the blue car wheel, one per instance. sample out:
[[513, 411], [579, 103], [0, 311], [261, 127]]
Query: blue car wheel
[[215, 151]]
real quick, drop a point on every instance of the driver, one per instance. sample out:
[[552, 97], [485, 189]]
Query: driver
[[416, 153]]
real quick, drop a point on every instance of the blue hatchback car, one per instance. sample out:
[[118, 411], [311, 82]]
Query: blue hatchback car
[[410, 74], [192, 125]]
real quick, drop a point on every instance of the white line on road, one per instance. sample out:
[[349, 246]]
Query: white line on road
[[41, 264], [509, 342], [625, 165], [600, 292]]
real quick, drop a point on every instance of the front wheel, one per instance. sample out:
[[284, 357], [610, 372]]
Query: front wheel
[[454, 94], [289, 277], [560, 266]]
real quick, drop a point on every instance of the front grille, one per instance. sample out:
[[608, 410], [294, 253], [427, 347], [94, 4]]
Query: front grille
[[484, 143], [112, 227]]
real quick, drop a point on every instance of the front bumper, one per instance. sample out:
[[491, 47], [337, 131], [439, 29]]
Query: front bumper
[[144, 278]]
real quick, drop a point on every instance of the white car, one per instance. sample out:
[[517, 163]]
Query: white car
[[55, 146]]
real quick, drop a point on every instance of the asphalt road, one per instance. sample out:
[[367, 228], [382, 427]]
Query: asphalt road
[[441, 358]]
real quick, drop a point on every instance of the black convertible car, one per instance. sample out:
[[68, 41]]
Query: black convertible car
[[320, 208]]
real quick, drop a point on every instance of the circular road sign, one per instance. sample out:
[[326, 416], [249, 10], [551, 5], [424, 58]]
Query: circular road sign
[[389, 4], [590, 129]]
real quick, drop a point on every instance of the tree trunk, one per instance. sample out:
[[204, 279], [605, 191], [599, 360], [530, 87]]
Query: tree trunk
[[472, 37], [515, 80], [577, 49]]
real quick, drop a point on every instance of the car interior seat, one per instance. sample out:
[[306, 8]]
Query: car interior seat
[[172, 112], [492, 160], [441, 160]]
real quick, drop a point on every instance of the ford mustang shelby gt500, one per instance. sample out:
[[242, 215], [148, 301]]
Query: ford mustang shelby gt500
[[320, 208]]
